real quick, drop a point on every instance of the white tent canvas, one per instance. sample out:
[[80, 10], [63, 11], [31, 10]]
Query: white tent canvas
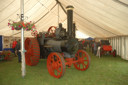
[[94, 18]]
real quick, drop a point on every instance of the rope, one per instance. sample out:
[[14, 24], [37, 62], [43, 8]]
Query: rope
[[58, 14], [45, 14], [121, 2], [49, 10], [57, 1]]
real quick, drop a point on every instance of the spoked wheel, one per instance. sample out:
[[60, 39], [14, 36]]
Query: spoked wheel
[[83, 60], [51, 31], [33, 51], [56, 65]]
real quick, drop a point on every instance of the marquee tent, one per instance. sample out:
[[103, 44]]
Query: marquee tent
[[94, 18]]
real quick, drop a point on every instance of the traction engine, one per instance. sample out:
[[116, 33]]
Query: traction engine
[[107, 48], [60, 47]]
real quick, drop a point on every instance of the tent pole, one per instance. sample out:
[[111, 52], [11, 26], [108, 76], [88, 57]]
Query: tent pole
[[125, 57], [22, 40], [121, 46]]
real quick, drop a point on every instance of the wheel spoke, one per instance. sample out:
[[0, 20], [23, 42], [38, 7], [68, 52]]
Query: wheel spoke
[[31, 56], [51, 31], [79, 65], [84, 56], [59, 65], [78, 55], [83, 60], [84, 64], [57, 68]]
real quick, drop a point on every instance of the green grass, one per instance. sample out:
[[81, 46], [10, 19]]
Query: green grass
[[107, 70]]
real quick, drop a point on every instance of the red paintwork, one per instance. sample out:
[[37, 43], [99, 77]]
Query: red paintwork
[[83, 42], [69, 62], [107, 47], [33, 51], [80, 62], [55, 65], [14, 44], [51, 32]]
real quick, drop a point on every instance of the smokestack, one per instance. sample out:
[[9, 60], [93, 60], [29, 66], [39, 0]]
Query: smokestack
[[60, 25], [74, 30], [70, 20]]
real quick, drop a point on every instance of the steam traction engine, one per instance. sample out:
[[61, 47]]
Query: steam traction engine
[[60, 47], [107, 48]]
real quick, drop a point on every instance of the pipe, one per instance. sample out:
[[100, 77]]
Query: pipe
[[69, 20], [74, 30], [60, 25]]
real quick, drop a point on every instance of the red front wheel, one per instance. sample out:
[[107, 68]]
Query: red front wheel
[[56, 65], [83, 60]]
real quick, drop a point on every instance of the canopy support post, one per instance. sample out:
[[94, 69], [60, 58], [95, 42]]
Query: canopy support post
[[22, 41]]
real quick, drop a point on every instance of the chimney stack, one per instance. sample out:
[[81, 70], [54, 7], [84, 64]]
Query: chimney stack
[[70, 20]]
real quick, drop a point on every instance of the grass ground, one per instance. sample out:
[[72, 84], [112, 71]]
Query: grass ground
[[107, 70]]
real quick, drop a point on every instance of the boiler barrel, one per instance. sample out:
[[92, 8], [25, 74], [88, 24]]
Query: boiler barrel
[[70, 46], [54, 45]]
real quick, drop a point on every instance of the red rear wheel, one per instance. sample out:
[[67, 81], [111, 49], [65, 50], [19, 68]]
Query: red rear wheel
[[56, 65], [33, 51], [83, 60]]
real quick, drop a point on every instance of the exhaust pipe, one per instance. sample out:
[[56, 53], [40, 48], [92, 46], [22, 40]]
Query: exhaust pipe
[[70, 20]]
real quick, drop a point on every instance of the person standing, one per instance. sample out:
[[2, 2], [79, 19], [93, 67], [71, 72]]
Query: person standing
[[18, 47], [98, 51], [14, 45], [95, 49]]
